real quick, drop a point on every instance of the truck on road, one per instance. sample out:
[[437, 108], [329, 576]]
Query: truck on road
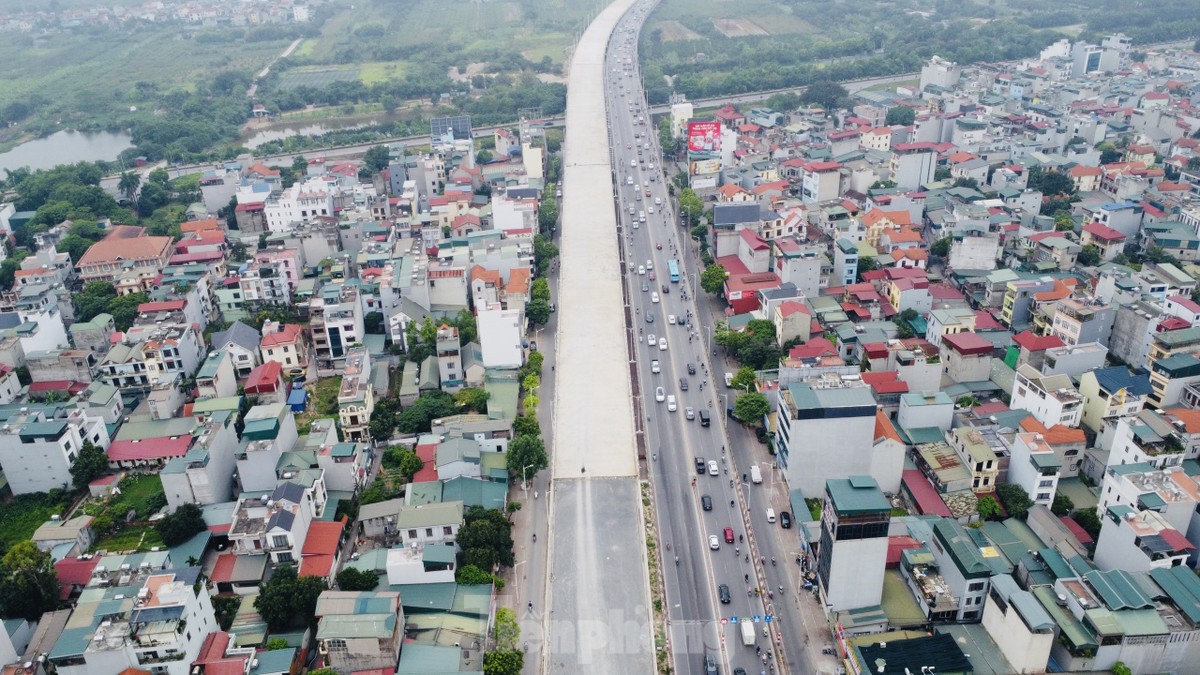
[[755, 473], [747, 633]]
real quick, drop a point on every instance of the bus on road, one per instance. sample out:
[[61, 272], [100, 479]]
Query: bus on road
[[673, 270]]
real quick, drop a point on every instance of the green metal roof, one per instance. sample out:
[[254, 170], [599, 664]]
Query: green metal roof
[[438, 553], [1118, 590], [856, 495], [1183, 587], [1076, 633]]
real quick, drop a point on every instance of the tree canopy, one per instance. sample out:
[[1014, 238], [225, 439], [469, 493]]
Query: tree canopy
[[751, 408], [352, 579], [527, 453], [712, 279], [182, 524], [288, 601], [28, 582], [485, 539], [1015, 500], [902, 115], [829, 95], [91, 463]]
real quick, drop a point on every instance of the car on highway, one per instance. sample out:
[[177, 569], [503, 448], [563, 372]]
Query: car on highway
[[662, 344], [651, 275], [666, 289], [641, 271], [712, 468], [645, 287], [654, 297], [649, 317], [701, 466], [683, 384], [660, 394], [671, 319], [655, 367], [650, 210], [691, 368], [672, 406], [658, 246], [728, 535], [785, 520], [689, 412], [713, 542], [706, 502], [723, 593], [651, 340], [710, 665]]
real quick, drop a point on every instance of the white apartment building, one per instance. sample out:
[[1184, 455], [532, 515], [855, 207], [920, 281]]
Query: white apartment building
[[1139, 541], [356, 397], [276, 523], [36, 452], [300, 203], [1034, 466]]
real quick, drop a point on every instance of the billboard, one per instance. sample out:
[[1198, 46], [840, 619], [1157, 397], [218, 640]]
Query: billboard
[[704, 139], [705, 166]]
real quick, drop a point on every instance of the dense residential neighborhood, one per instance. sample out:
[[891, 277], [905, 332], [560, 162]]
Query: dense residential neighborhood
[[295, 427]]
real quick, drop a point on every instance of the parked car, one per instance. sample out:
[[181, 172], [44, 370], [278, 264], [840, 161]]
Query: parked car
[[785, 520]]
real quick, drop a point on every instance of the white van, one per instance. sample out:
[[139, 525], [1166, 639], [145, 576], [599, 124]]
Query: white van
[[755, 473], [770, 515]]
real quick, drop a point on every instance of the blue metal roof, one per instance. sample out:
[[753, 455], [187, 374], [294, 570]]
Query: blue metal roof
[[1118, 377]]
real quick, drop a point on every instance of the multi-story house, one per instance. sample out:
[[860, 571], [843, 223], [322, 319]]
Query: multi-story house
[[1135, 540], [216, 378], [284, 344], [38, 447], [977, 456], [1160, 439], [429, 523], [336, 323], [276, 524], [951, 580], [1171, 342], [241, 342], [1034, 466], [173, 351], [125, 249], [1109, 393], [1080, 320], [1171, 492], [853, 549], [356, 397], [204, 475], [153, 622], [268, 432], [1052, 399], [1172, 378]]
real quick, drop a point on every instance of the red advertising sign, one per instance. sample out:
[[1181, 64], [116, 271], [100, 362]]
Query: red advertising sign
[[704, 137]]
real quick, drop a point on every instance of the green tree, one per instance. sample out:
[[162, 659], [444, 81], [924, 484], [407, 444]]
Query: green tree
[[540, 289], [182, 524], [538, 312], [902, 115], [526, 425], [1119, 668], [472, 399], [866, 265], [1089, 520], [352, 579], [712, 279], [507, 630], [743, 379], [543, 252], [28, 582], [527, 456], [503, 662], [124, 309], [470, 575], [691, 206], [988, 508], [941, 173], [1015, 500], [275, 644], [548, 211], [91, 463], [288, 601], [1089, 256], [1062, 505], [1063, 222], [129, 184], [827, 94], [430, 406], [751, 408], [406, 461], [485, 539], [966, 183]]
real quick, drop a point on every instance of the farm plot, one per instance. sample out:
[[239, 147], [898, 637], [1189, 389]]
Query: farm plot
[[673, 31], [734, 28]]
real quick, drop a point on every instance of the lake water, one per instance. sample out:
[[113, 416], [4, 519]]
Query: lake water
[[66, 147], [279, 132]]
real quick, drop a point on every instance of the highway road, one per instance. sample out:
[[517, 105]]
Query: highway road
[[700, 623]]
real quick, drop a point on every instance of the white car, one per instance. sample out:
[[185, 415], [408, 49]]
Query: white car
[[662, 344], [654, 367], [641, 270], [654, 296], [689, 412], [672, 406], [714, 542], [671, 319], [712, 468], [660, 395], [650, 210], [649, 263], [651, 340]]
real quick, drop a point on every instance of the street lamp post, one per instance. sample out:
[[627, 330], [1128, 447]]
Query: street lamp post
[[524, 483]]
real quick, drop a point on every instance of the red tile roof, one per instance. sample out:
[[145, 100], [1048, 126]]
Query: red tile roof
[[74, 572], [968, 344], [813, 349], [1177, 541], [1036, 343], [287, 334], [223, 569], [886, 382], [265, 378], [149, 448], [925, 497], [897, 545], [1102, 232], [320, 548], [428, 454]]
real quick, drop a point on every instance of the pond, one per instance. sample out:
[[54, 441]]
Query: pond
[[66, 147]]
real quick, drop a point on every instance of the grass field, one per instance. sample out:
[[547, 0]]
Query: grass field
[[24, 514], [380, 71], [315, 77], [141, 494]]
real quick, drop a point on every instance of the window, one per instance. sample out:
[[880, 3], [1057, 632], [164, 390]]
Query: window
[[1043, 496], [429, 532], [447, 531], [412, 534], [283, 557], [975, 587], [280, 541]]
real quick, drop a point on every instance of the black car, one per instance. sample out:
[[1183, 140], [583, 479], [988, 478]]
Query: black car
[[706, 502], [723, 593], [691, 369], [683, 383], [649, 317], [666, 289], [533, 345], [785, 520], [701, 466]]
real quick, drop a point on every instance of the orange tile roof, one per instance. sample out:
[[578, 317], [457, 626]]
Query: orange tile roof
[[885, 429], [518, 281], [286, 335], [1190, 418], [484, 274], [320, 548], [1056, 435], [875, 216], [902, 235], [200, 225], [111, 249]]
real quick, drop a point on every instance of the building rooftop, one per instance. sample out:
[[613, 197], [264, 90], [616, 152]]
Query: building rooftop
[[856, 495]]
